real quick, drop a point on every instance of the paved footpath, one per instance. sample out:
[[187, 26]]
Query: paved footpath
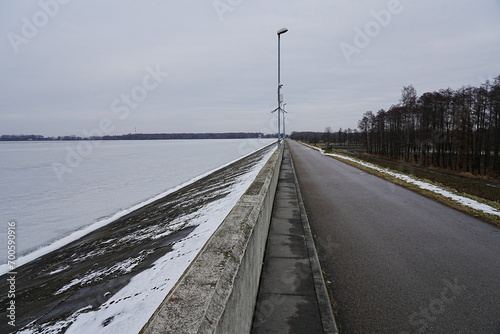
[[398, 262], [292, 296]]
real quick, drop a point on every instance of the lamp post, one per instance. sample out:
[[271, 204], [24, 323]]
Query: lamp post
[[284, 112], [280, 98]]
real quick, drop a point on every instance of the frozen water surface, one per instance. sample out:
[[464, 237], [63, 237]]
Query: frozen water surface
[[114, 176], [113, 279]]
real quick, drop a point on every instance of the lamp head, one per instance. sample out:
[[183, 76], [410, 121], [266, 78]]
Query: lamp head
[[282, 31]]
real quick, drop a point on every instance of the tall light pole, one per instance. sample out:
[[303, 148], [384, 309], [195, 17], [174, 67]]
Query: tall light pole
[[284, 112], [280, 98]]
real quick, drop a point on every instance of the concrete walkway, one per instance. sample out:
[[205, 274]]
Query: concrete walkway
[[292, 295]]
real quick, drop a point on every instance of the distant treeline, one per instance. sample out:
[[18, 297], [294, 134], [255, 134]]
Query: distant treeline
[[341, 137], [452, 129], [143, 136]]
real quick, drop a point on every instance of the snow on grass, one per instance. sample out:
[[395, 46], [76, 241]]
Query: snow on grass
[[130, 308], [57, 327], [118, 268], [58, 270], [422, 185]]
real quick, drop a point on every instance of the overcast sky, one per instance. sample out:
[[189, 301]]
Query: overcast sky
[[119, 66]]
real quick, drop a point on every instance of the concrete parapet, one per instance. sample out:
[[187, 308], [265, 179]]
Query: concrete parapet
[[218, 291]]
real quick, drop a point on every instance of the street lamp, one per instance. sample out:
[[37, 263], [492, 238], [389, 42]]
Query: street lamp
[[280, 97], [284, 112]]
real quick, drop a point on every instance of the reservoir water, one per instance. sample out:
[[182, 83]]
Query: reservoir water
[[52, 189]]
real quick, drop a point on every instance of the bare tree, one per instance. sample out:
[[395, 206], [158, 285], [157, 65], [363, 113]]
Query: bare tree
[[327, 136], [458, 130]]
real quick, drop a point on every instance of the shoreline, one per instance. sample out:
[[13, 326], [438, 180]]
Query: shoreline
[[56, 288], [99, 223]]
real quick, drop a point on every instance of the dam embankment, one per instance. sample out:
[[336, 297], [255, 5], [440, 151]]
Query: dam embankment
[[93, 277], [217, 293]]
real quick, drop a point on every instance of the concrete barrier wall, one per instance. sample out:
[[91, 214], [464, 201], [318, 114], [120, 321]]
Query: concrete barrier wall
[[218, 291]]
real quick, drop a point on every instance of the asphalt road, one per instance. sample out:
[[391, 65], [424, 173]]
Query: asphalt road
[[397, 261]]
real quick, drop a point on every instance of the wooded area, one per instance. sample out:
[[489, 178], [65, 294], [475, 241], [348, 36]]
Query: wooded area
[[143, 136], [340, 137], [457, 130]]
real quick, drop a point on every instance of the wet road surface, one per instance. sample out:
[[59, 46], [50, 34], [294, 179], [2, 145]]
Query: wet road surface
[[397, 261]]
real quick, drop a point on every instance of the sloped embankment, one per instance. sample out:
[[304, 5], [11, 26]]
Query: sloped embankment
[[84, 275]]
